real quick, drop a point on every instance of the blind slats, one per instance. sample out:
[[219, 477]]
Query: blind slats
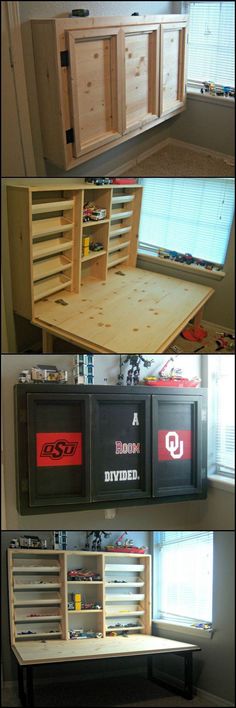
[[185, 572], [188, 215], [211, 42]]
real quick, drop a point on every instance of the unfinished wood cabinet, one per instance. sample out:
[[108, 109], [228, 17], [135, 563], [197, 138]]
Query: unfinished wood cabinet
[[47, 600], [172, 67], [46, 233], [103, 80]]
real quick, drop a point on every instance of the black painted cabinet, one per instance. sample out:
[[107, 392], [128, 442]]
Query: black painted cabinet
[[90, 446]]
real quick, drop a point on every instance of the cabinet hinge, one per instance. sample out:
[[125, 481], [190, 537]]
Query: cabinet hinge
[[70, 136], [64, 58], [204, 415], [23, 415]]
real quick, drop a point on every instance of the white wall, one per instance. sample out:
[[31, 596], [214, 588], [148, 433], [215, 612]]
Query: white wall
[[38, 10]]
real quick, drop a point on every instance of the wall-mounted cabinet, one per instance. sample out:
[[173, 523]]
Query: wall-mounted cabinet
[[49, 599], [90, 446], [103, 80]]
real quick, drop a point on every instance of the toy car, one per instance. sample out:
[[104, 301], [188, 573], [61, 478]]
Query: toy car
[[99, 180], [98, 214], [83, 574], [95, 246]]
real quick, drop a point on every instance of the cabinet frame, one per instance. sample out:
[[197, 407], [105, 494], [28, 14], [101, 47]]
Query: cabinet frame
[[181, 81], [153, 33]]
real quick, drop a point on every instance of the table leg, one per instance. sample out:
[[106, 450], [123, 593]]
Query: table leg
[[149, 667], [197, 321], [21, 690], [29, 687], [47, 342], [188, 675]]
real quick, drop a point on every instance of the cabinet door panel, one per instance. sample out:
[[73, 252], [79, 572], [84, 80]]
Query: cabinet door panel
[[95, 87], [121, 447], [141, 76], [172, 78], [179, 450], [58, 449]]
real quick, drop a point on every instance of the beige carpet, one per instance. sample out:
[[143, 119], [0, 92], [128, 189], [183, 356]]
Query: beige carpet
[[208, 344], [179, 161]]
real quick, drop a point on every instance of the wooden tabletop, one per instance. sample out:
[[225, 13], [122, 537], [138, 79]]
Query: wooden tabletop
[[135, 310], [46, 652]]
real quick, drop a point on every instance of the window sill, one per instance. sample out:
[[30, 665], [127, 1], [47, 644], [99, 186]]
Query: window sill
[[165, 263], [221, 482], [195, 94], [183, 629]]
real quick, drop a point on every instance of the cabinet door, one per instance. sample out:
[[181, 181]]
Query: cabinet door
[[179, 446], [172, 67], [56, 449], [121, 447], [141, 61], [95, 87]]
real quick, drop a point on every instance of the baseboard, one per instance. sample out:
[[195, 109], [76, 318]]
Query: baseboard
[[219, 327], [197, 148]]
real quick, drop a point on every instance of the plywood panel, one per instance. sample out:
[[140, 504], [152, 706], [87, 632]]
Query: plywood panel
[[170, 68], [136, 60]]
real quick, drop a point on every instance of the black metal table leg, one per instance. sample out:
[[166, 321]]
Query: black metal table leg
[[21, 690], [188, 675], [29, 687], [149, 667]]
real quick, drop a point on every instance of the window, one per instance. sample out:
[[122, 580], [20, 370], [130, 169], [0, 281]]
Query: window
[[188, 216], [211, 42], [221, 414], [183, 568]]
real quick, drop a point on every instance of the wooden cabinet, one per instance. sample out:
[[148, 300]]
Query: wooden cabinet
[[100, 80], [46, 236], [44, 594], [90, 446], [172, 67]]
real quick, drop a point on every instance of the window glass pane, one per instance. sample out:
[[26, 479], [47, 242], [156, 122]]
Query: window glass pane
[[211, 42], [188, 215], [185, 575], [225, 413]]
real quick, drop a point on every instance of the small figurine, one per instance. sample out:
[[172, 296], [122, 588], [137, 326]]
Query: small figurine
[[134, 371], [97, 539]]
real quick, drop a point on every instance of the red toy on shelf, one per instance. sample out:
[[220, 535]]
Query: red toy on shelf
[[173, 378]]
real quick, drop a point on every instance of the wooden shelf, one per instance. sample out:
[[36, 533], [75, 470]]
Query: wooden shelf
[[46, 227], [36, 569], [83, 612], [95, 223], [122, 198], [50, 285], [50, 266], [92, 255], [125, 629], [46, 207], [36, 603], [129, 613], [122, 568], [85, 582], [122, 214], [125, 598], [38, 634], [48, 248], [116, 261], [43, 618], [36, 586], [118, 245], [121, 230], [125, 585]]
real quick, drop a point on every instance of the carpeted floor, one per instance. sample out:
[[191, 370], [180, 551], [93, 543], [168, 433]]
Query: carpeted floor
[[178, 161], [208, 345], [126, 692]]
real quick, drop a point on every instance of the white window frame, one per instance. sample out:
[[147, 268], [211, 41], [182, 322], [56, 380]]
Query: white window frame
[[216, 478], [171, 626]]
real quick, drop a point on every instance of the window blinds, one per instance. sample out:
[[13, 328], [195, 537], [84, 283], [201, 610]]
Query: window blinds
[[185, 572], [187, 215], [224, 381], [211, 42]]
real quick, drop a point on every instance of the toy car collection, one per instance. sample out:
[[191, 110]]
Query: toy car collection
[[217, 89], [81, 634], [83, 574], [99, 180], [43, 373], [93, 213]]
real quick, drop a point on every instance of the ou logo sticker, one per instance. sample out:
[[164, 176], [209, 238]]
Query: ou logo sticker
[[174, 445]]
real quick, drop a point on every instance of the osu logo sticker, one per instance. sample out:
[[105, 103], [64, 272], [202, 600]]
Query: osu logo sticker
[[58, 449], [174, 445]]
